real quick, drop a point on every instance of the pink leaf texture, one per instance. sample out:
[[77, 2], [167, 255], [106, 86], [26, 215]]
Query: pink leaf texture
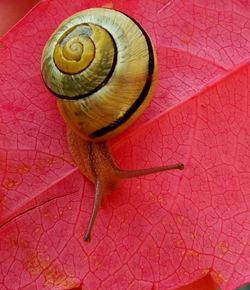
[[156, 232]]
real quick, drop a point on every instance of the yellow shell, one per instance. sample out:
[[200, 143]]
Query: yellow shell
[[101, 65]]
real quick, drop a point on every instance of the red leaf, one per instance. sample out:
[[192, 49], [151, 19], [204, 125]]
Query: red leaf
[[12, 11], [161, 231]]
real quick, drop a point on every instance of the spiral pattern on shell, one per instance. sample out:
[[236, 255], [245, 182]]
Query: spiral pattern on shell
[[101, 65]]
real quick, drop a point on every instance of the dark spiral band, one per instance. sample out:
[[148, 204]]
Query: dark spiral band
[[143, 94]]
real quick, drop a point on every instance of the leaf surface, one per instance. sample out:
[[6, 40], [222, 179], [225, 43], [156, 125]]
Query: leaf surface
[[161, 231]]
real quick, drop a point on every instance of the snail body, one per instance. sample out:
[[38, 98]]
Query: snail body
[[101, 65]]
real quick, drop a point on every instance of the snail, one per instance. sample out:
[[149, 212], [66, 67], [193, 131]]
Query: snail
[[101, 66]]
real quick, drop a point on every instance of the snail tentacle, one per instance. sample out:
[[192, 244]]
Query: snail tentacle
[[147, 171], [96, 206]]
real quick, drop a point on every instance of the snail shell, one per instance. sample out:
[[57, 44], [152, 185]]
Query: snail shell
[[101, 65]]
